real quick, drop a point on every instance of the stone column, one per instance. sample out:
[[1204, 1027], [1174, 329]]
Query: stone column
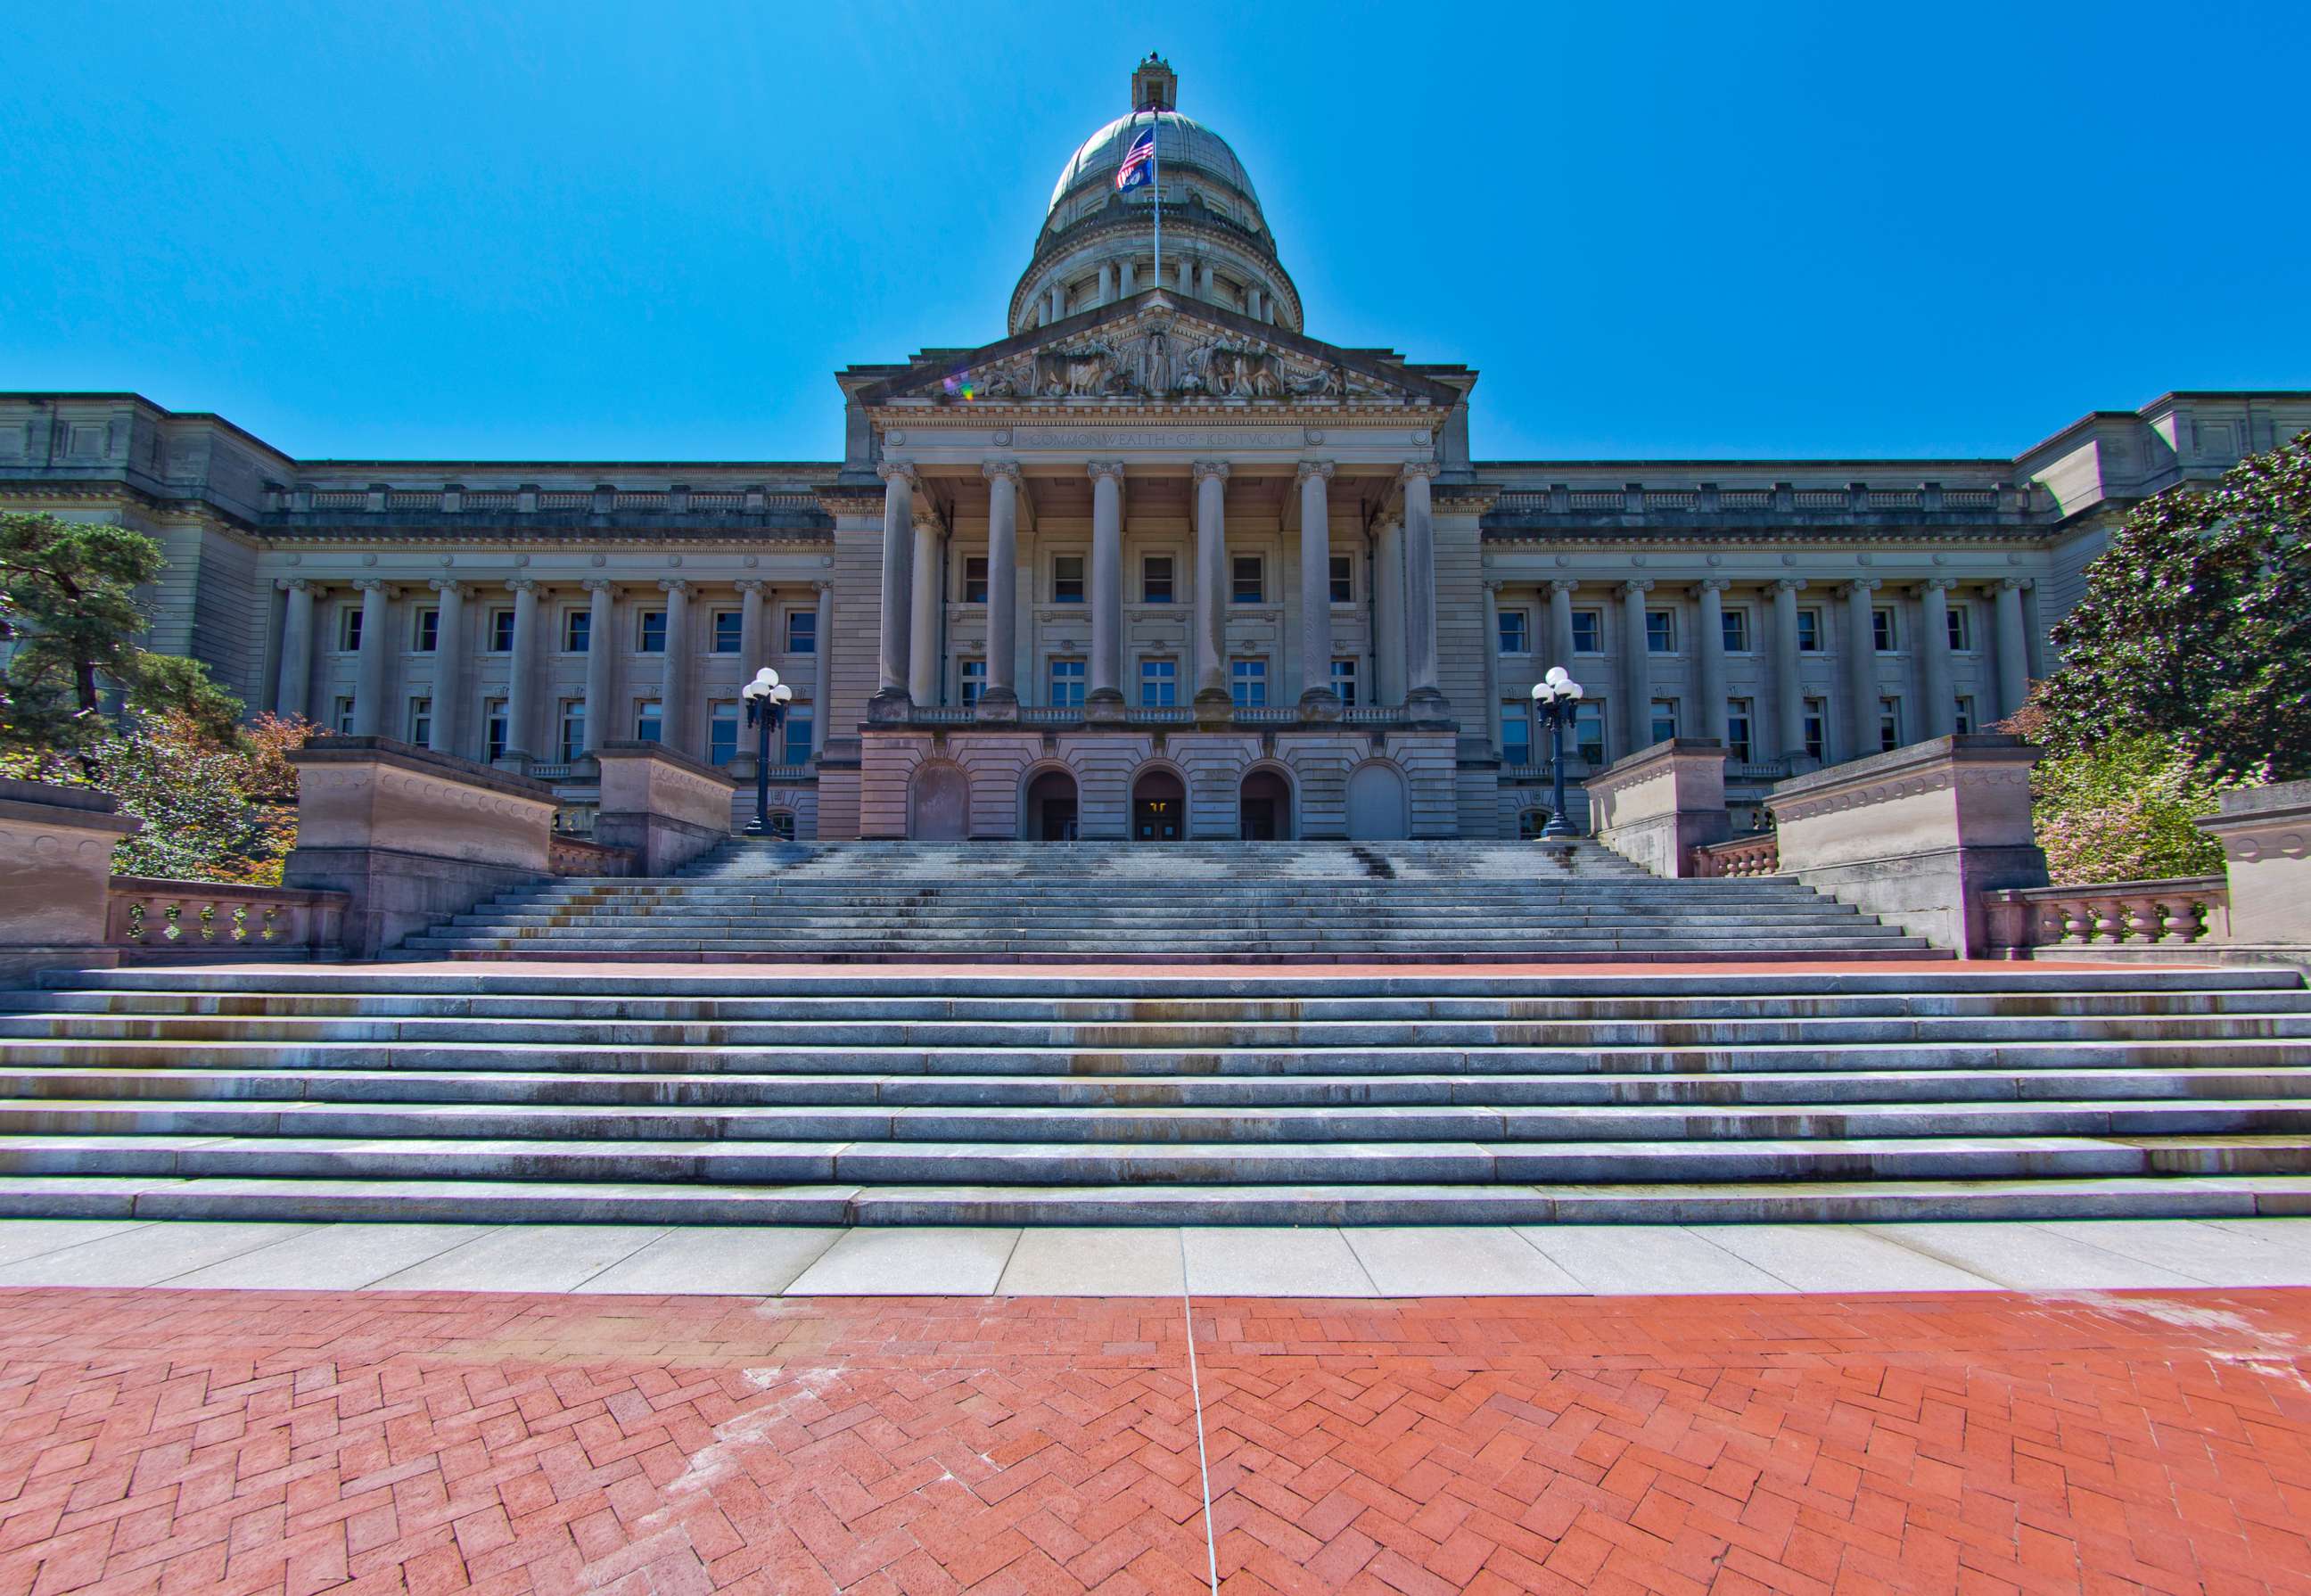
[[1935, 684], [923, 673], [376, 651], [1420, 589], [1000, 696], [822, 669], [1211, 581], [1560, 625], [896, 627], [1789, 687], [1636, 669], [1861, 668], [601, 659], [295, 692], [1316, 581], [521, 685], [674, 686], [1388, 610], [449, 665], [1106, 581], [750, 628], [1710, 652], [1106, 282], [2014, 648], [1493, 664]]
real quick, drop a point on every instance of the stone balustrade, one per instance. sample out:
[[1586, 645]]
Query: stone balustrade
[[1760, 855], [2181, 912], [568, 855], [147, 919]]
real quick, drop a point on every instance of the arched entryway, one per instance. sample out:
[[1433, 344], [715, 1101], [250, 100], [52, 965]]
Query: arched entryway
[[938, 803], [1051, 808], [1159, 808], [1378, 809], [1264, 808]]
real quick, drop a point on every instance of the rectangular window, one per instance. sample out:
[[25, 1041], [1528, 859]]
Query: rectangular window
[[1155, 580], [797, 748], [1516, 731], [1159, 683], [1067, 684], [1516, 632], [974, 579], [342, 715], [1664, 723], [1588, 631], [501, 632], [649, 725], [1737, 630], [970, 682], [1067, 579], [729, 630], [421, 721], [1250, 584], [1961, 629], [1881, 628], [349, 625], [1736, 729], [429, 630], [578, 632], [494, 729], [1817, 728], [1344, 578], [649, 631], [1589, 732], [1248, 683], [1661, 632], [1344, 682], [1809, 631], [572, 737], [722, 733], [1889, 724], [802, 632], [1965, 715]]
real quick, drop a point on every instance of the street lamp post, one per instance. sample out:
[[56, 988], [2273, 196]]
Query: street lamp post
[[766, 706], [1556, 693]]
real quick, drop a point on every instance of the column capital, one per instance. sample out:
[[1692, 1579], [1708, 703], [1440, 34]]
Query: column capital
[[925, 521], [1861, 586], [991, 469], [595, 584], [1098, 470], [1637, 585], [1201, 469], [1420, 468], [1308, 469], [1392, 521], [443, 584], [750, 584], [2015, 583], [522, 584], [1562, 584], [897, 470], [822, 587], [1493, 584], [296, 584], [1712, 584], [1944, 582], [675, 584], [1790, 584], [373, 584]]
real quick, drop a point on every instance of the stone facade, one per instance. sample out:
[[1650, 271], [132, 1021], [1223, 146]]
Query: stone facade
[[1155, 542]]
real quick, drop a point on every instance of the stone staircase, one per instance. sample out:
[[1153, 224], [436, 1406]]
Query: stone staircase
[[1226, 901], [1272, 1094]]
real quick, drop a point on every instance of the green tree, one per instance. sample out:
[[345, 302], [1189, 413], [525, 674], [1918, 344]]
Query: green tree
[[2196, 626], [2126, 808]]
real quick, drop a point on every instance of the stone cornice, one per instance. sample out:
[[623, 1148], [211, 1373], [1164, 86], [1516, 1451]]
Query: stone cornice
[[1939, 764]]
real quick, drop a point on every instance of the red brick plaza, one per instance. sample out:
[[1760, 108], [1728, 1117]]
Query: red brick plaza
[[190, 1441]]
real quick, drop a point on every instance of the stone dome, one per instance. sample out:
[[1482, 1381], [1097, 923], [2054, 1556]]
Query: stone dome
[[1181, 143]]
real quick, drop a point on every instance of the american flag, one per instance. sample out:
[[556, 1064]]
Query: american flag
[[1138, 163]]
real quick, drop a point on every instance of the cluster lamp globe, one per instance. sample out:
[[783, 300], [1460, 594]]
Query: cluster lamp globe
[[1557, 692], [766, 705]]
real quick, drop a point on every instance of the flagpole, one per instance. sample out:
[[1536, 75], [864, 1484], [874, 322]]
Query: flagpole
[[1155, 180]]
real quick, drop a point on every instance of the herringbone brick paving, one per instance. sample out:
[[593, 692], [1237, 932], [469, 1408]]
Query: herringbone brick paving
[[161, 1441]]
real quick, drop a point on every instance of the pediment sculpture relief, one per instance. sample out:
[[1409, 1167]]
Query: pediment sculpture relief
[[1160, 359]]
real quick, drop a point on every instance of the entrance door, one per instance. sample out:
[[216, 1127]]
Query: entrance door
[[1265, 809], [1050, 809], [1159, 808]]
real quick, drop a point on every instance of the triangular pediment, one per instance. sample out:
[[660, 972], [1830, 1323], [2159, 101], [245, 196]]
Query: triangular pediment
[[1155, 349]]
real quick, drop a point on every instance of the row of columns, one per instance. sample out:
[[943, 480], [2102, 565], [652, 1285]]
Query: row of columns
[[1404, 596], [1860, 658], [523, 685]]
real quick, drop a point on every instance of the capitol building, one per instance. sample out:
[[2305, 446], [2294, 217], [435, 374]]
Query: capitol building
[[1158, 563]]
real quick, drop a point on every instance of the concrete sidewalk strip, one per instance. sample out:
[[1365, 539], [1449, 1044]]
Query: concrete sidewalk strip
[[1273, 1260], [21, 1239], [2210, 1254], [334, 1258], [733, 1260], [147, 1254], [1646, 1259], [1445, 1260], [2030, 1257], [527, 1258], [1095, 1261], [1841, 1258], [926, 1261]]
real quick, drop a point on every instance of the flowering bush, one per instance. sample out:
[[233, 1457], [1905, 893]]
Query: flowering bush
[[2126, 809]]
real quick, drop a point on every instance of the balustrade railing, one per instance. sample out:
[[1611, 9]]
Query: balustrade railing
[[2183, 912], [147, 918], [715, 502], [1743, 855], [568, 855]]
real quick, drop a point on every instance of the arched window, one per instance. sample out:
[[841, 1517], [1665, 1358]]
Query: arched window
[[1529, 824]]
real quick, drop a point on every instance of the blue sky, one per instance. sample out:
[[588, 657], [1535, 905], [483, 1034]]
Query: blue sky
[[652, 232]]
